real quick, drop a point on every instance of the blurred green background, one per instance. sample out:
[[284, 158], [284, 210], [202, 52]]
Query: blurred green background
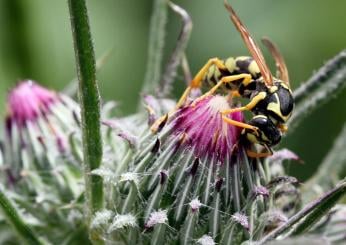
[[36, 43]]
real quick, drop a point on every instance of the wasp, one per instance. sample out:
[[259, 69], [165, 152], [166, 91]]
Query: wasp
[[270, 98]]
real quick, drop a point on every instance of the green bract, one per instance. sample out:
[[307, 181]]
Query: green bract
[[189, 183]]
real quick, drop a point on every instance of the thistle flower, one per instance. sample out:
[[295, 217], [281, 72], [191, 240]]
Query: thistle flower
[[28, 103], [194, 171], [41, 155], [192, 182], [38, 119], [202, 129], [39, 124]]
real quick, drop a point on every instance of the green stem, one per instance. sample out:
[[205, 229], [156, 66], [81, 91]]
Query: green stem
[[90, 104], [13, 217], [334, 66], [165, 86], [329, 80], [156, 44]]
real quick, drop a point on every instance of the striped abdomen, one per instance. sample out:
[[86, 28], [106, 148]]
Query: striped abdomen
[[234, 66]]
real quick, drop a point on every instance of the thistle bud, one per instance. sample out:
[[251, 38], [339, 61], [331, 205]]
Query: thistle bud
[[42, 141], [195, 169], [38, 123]]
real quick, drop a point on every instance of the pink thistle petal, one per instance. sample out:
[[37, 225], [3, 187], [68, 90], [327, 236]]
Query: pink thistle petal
[[39, 120], [27, 101], [204, 129]]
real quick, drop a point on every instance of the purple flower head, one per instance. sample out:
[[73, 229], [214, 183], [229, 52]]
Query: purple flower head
[[27, 101], [38, 123], [202, 128]]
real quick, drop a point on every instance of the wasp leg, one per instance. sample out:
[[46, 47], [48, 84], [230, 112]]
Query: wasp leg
[[253, 154], [234, 93], [159, 123], [249, 106], [151, 114], [197, 80], [195, 83], [228, 79], [224, 80], [240, 124]]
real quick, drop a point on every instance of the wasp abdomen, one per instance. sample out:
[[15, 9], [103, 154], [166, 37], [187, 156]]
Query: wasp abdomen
[[234, 66]]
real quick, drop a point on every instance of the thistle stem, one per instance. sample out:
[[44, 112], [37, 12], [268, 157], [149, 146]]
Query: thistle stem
[[329, 80], [90, 104], [24, 232], [333, 67], [177, 55], [156, 45]]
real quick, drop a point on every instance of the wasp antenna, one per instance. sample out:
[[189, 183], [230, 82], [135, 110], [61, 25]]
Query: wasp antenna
[[251, 45], [279, 59]]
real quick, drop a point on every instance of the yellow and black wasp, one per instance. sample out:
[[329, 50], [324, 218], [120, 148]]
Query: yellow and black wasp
[[271, 99]]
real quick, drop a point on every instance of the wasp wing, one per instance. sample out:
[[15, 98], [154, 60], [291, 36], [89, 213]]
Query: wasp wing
[[279, 60], [251, 45]]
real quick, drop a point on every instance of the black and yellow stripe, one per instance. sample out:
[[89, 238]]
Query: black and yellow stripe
[[234, 66]]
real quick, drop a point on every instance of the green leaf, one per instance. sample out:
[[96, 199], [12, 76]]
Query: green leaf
[[309, 215], [178, 52], [156, 44], [24, 232], [320, 208]]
